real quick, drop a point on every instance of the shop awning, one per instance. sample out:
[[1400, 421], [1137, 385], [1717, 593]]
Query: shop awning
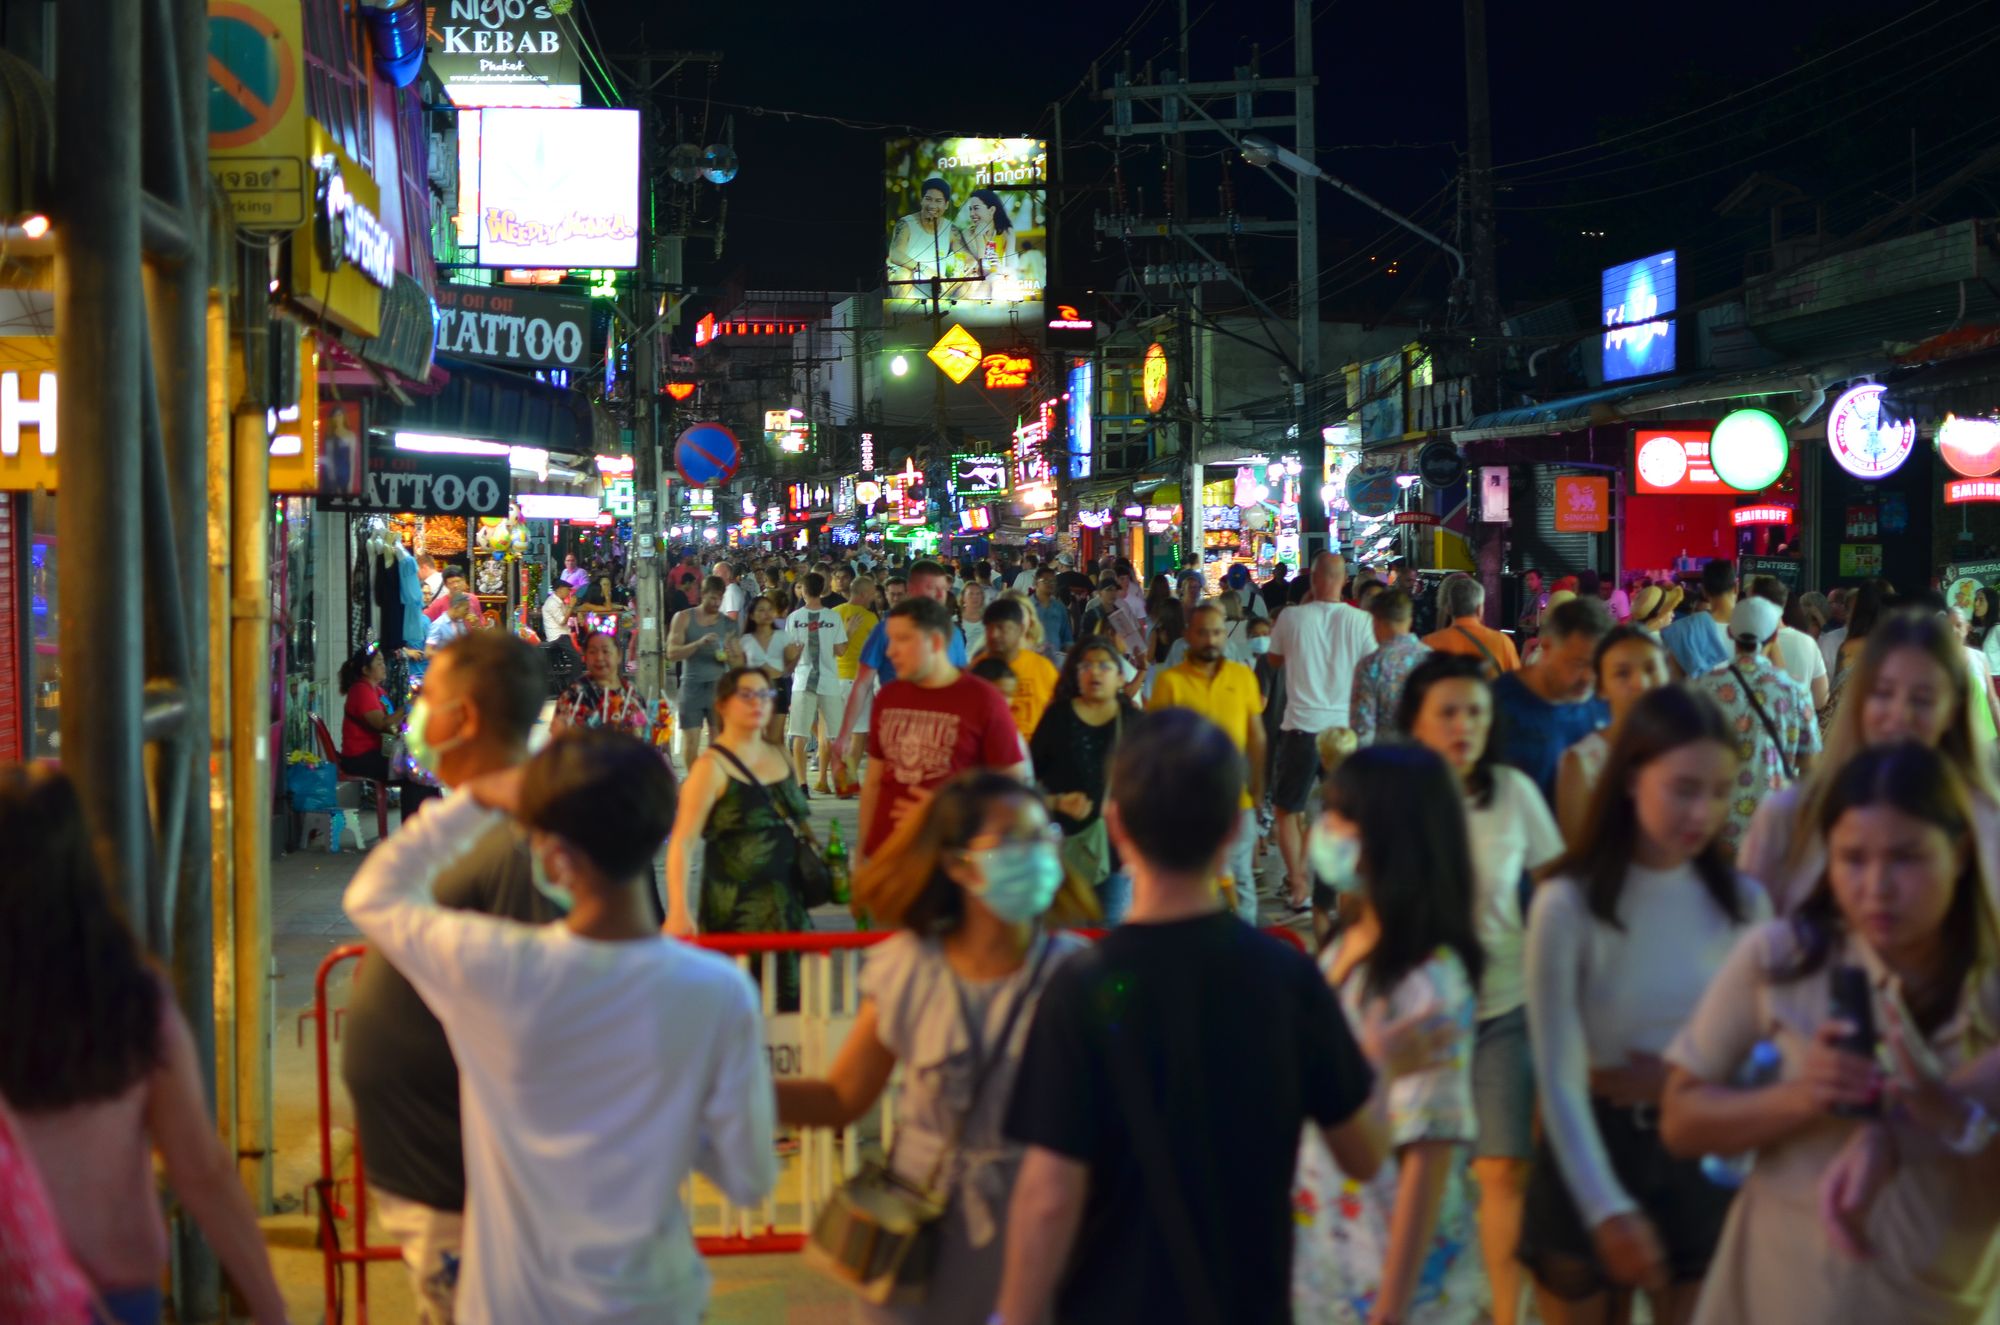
[[496, 405], [1632, 399]]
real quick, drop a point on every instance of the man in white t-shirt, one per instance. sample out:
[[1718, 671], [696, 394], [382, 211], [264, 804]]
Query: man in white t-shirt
[[555, 614], [1318, 642], [1025, 581], [601, 1064], [815, 640], [734, 600], [1799, 656]]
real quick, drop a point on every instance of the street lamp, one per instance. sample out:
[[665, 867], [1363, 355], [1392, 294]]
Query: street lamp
[[1263, 153], [900, 366]]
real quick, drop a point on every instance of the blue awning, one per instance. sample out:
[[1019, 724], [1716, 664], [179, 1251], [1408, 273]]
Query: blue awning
[[1629, 400]]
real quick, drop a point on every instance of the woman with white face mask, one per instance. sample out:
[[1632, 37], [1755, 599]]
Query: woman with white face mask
[[967, 879], [1403, 1245]]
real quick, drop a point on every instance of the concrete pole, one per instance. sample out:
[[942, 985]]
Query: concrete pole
[[1313, 532]]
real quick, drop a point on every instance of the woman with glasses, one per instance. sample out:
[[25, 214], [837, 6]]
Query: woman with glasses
[[739, 800], [967, 880], [1071, 752]]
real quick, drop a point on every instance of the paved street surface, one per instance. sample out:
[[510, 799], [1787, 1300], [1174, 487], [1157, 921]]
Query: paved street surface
[[307, 924]]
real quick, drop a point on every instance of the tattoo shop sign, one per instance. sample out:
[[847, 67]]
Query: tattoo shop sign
[[519, 328], [423, 483]]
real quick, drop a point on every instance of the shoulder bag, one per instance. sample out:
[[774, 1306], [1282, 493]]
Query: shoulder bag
[[1480, 645], [810, 878], [1770, 727], [879, 1233]]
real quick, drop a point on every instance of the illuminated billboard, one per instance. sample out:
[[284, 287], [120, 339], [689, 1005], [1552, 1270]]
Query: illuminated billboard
[[555, 188], [1638, 337], [513, 53], [967, 226], [1082, 404]]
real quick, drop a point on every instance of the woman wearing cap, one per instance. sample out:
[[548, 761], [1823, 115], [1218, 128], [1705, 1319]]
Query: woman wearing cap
[[1653, 607]]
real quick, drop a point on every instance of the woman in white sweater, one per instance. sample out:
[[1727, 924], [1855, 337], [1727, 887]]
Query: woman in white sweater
[[1622, 941]]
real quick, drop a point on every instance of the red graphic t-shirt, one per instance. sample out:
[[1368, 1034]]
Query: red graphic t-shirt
[[921, 737]]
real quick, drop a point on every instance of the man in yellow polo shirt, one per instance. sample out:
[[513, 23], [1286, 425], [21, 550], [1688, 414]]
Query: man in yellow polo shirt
[[1227, 694], [858, 619], [1035, 677]]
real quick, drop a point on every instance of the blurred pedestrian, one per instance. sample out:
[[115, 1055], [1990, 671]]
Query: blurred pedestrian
[[1400, 1246], [1622, 942], [581, 1044], [1155, 1188], [1777, 732], [1629, 662], [1904, 903], [99, 1067]]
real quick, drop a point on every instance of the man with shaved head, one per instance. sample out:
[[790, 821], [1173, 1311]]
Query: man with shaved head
[[1319, 642]]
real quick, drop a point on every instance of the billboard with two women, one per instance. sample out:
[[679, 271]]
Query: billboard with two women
[[968, 227]]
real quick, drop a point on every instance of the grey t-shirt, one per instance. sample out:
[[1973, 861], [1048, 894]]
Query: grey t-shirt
[[396, 1061]]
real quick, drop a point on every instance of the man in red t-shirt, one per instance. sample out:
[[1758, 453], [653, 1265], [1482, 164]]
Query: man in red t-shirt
[[932, 722]]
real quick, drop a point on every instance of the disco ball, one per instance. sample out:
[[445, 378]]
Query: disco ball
[[718, 163], [684, 163]]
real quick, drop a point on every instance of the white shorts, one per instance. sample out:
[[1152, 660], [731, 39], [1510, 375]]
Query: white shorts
[[867, 704], [808, 705]]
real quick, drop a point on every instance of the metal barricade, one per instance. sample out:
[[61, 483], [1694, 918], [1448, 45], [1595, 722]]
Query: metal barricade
[[800, 1044]]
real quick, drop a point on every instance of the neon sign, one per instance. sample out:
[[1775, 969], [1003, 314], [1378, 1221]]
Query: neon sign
[[1959, 491], [1006, 371], [1745, 516], [39, 413], [1970, 445], [1864, 443], [680, 390], [1153, 377], [348, 232]]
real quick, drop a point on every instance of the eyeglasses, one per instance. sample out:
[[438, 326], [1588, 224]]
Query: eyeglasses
[[757, 696], [1097, 665]]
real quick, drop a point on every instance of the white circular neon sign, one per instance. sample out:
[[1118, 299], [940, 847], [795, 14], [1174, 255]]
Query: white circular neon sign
[[1864, 443]]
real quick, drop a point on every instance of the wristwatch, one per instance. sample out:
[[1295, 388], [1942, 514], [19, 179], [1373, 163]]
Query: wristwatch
[[1979, 1131]]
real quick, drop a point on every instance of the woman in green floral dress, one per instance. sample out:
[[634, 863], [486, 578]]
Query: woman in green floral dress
[[731, 801]]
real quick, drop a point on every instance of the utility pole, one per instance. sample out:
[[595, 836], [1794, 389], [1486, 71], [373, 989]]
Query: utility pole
[[1228, 107], [1486, 359], [1485, 303], [1309, 394]]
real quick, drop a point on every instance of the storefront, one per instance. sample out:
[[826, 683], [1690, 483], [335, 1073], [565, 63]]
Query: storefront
[[1249, 517]]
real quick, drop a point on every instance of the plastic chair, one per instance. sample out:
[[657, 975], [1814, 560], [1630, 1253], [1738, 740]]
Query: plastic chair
[[327, 752]]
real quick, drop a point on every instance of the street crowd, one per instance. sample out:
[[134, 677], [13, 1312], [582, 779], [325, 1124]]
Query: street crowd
[[1654, 952]]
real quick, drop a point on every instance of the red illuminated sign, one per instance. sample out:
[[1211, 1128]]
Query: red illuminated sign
[[1007, 370], [709, 328], [680, 390], [1959, 491], [1674, 460], [1744, 516]]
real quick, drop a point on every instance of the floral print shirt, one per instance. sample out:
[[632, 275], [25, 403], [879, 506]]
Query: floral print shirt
[[1342, 1226], [1788, 706], [1378, 687], [587, 704]]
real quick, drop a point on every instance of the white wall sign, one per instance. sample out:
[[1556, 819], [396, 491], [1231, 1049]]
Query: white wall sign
[[1864, 443]]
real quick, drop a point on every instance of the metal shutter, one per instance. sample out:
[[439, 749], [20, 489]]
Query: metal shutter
[[1540, 547], [10, 630]]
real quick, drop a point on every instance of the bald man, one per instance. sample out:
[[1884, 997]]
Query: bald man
[[1318, 642]]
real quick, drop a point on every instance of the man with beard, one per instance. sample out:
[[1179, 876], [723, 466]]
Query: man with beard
[[1227, 694]]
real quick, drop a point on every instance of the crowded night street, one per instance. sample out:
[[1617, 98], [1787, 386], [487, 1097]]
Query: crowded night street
[[1167, 662]]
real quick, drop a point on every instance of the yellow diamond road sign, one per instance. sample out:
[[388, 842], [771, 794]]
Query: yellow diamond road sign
[[956, 354]]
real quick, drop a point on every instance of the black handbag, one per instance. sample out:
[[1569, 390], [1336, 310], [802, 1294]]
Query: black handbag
[[810, 879]]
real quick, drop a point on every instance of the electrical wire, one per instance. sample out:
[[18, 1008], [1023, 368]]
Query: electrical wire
[[1738, 93], [1959, 58]]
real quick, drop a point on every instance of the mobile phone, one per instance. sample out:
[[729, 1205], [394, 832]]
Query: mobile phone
[[1850, 1002]]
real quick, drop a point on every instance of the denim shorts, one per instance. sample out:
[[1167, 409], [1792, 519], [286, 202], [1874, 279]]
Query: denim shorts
[[1503, 1088]]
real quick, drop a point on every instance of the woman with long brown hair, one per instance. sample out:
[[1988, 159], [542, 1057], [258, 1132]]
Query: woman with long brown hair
[[1900, 929], [1622, 942], [1910, 683], [99, 1066], [967, 879]]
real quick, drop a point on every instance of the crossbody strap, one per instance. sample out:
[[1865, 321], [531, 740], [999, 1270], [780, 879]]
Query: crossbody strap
[[1479, 644], [983, 1062], [1156, 1169], [777, 806], [1777, 741]]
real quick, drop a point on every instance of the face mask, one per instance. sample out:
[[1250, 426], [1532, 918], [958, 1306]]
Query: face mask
[[1260, 645], [418, 742], [555, 892], [1335, 858], [1021, 879]]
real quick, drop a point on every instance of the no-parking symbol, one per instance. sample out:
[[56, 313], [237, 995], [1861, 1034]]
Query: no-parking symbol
[[256, 122]]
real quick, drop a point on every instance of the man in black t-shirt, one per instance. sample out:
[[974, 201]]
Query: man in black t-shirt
[[482, 696], [1162, 1116]]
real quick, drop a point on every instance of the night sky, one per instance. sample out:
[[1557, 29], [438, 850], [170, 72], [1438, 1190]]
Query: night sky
[[806, 211]]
